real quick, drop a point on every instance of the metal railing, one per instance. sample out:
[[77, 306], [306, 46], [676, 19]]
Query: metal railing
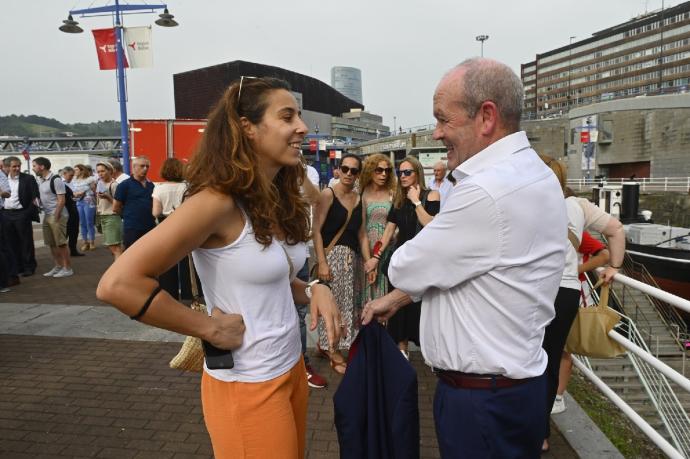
[[652, 374], [668, 314], [681, 184]]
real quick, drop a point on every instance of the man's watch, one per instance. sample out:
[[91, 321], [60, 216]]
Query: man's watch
[[307, 291], [417, 203]]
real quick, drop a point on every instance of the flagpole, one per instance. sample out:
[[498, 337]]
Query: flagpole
[[72, 26], [122, 94]]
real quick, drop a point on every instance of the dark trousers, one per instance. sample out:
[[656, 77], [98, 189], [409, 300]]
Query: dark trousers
[[5, 255], [303, 274], [566, 304], [130, 236], [72, 228], [18, 233], [503, 423]]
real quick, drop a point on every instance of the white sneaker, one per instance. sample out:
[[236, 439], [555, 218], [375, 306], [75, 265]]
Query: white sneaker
[[558, 405], [53, 271], [405, 354], [64, 272]]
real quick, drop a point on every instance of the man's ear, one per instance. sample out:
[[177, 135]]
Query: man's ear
[[248, 128], [488, 114]]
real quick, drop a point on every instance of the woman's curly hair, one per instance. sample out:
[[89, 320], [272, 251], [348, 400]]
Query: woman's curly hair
[[225, 161]]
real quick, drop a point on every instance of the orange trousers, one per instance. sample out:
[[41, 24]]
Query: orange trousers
[[257, 420]]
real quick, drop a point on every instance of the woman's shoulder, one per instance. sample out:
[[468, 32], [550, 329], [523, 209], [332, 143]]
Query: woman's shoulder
[[213, 200]]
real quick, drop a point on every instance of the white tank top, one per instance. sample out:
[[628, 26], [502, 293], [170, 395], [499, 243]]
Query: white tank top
[[249, 279]]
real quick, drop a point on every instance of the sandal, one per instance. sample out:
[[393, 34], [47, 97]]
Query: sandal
[[338, 366]]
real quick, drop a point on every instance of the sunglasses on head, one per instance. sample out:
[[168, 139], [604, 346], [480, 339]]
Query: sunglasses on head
[[346, 169], [405, 172], [381, 170], [239, 91]]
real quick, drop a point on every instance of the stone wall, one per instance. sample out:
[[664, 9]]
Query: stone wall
[[667, 208]]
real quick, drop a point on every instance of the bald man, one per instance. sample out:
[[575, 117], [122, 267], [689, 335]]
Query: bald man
[[440, 182], [491, 270]]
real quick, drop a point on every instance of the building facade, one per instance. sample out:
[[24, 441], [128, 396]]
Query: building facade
[[649, 54], [348, 81], [358, 126]]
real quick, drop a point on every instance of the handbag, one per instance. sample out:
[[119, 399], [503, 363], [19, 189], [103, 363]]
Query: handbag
[[589, 333], [191, 354]]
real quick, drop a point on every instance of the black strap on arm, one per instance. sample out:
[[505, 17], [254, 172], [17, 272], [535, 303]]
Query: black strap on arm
[[146, 305]]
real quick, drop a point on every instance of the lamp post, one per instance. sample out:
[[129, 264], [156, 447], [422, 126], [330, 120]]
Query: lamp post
[[482, 39], [570, 52], [117, 10]]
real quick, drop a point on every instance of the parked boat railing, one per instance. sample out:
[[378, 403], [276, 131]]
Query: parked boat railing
[[653, 375], [646, 184]]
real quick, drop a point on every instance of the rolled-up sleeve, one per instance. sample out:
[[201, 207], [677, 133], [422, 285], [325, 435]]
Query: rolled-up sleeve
[[460, 243]]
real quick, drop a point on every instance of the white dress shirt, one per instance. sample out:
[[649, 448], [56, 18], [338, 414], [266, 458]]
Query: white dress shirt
[[498, 251]]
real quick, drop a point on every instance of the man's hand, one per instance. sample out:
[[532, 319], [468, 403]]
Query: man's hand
[[323, 304], [381, 309], [413, 193], [228, 330]]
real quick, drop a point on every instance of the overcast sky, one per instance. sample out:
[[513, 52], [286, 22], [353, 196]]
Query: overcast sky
[[402, 47]]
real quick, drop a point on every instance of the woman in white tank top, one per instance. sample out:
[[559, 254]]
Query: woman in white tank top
[[246, 224]]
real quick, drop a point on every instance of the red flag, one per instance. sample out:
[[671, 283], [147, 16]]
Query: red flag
[[105, 47]]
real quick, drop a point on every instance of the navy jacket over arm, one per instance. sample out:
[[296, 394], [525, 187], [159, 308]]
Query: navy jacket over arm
[[376, 411]]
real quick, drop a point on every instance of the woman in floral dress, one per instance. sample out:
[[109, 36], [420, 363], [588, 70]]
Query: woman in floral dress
[[377, 183]]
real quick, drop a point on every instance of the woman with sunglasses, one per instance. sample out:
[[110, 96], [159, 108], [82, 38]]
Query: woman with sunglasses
[[377, 183], [338, 236], [413, 208], [246, 225]]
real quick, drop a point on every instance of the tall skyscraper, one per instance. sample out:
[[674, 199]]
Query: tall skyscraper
[[348, 81]]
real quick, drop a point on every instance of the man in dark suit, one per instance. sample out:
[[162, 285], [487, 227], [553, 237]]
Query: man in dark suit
[[19, 211]]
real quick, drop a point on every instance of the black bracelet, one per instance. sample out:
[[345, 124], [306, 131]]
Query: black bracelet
[[615, 267], [377, 257], [146, 305]]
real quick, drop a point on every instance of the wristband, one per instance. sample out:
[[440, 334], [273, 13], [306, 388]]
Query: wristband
[[615, 267], [417, 204], [377, 257]]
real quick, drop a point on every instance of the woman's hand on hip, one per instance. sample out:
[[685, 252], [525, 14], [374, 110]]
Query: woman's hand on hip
[[228, 330]]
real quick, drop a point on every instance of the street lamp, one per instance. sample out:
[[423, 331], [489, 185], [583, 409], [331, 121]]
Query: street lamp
[[116, 10], [482, 39]]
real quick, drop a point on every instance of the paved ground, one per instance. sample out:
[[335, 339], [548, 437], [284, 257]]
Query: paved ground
[[65, 395]]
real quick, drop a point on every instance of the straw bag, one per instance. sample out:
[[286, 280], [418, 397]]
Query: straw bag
[[191, 355], [589, 334]]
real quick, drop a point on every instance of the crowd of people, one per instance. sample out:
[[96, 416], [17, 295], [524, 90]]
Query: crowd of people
[[478, 267], [78, 200]]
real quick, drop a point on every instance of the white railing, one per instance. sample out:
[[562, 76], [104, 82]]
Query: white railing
[[648, 430], [652, 374], [646, 184]]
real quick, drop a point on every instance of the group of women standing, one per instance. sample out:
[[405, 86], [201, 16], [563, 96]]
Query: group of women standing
[[355, 234]]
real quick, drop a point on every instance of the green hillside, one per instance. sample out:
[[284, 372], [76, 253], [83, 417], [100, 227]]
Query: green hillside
[[39, 126]]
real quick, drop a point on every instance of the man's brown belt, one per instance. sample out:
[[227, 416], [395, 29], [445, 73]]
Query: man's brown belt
[[461, 380]]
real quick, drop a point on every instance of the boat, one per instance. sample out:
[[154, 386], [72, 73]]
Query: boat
[[664, 251]]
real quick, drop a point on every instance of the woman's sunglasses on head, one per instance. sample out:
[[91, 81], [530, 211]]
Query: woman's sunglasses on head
[[381, 170], [346, 169], [405, 172]]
